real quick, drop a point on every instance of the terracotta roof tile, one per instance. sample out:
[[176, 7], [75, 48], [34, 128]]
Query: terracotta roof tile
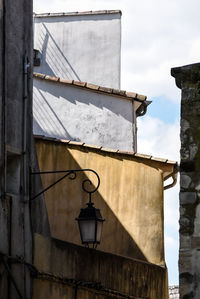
[[38, 75], [122, 93], [76, 142], [65, 141], [105, 89], [141, 97], [64, 81], [126, 153], [92, 146], [79, 83], [76, 13], [99, 148], [105, 149], [131, 94], [52, 78], [116, 91], [143, 156], [92, 86], [159, 159], [170, 162]]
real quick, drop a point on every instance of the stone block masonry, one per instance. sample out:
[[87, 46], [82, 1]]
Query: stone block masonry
[[188, 80]]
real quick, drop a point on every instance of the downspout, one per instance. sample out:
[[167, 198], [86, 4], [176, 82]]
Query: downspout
[[134, 127], [174, 177], [25, 98]]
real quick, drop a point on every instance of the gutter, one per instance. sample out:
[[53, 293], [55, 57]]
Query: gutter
[[174, 175], [141, 111]]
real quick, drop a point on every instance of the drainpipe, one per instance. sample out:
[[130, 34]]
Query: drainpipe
[[25, 98], [25, 189]]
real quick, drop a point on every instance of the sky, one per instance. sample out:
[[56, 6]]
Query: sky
[[156, 36]]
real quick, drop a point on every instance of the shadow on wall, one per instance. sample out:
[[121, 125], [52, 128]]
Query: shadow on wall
[[71, 94], [65, 200], [60, 62], [46, 121], [66, 112], [52, 55]]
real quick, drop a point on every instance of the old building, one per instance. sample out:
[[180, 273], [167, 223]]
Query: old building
[[40, 249], [188, 80], [85, 112], [80, 46], [88, 106], [83, 120], [125, 264]]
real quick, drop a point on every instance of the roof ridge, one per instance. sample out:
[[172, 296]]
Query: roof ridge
[[78, 13], [104, 149], [97, 88]]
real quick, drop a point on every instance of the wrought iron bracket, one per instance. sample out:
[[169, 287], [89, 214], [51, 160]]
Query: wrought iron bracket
[[72, 175]]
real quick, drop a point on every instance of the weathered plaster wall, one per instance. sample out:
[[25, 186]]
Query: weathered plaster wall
[[80, 47], [188, 79], [16, 147], [69, 270], [130, 198], [15, 140], [73, 113]]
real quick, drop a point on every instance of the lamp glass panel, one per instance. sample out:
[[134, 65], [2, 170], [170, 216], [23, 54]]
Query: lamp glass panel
[[99, 230], [87, 230]]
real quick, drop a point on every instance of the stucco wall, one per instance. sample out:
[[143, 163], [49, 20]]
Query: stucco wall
[[130, 198], [73, 113], [80, 47], [71, 271]]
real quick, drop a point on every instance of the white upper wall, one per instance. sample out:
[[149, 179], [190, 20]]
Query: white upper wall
[[69, 112], [80, 46]]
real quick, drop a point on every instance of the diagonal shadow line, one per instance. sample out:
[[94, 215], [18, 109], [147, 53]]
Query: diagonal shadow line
[[60, 228], [40, 113], [61, 52], [52, 110]]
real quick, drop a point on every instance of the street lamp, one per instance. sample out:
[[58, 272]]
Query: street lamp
[[89, 220]]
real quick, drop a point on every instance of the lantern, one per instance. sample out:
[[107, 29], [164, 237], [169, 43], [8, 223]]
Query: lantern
[[90, 224]]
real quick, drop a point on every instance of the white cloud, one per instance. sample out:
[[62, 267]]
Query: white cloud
[[158, 138], [171, 243], [161, 139]]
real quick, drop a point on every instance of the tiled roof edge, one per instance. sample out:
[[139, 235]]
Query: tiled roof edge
[[96, 88], [77, 13], [109, 150]]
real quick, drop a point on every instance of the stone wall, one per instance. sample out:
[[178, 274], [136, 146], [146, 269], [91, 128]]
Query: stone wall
[[15, 142], [16, 149], [188, 80]]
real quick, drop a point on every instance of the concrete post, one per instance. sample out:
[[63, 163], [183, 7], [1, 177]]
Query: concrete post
[[188, 80]]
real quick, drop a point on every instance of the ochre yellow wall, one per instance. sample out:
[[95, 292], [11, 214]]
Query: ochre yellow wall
[[130, 198], [61, 266]]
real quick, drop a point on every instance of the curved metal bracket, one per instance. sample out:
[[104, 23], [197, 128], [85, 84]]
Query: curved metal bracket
[[72, 175]]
